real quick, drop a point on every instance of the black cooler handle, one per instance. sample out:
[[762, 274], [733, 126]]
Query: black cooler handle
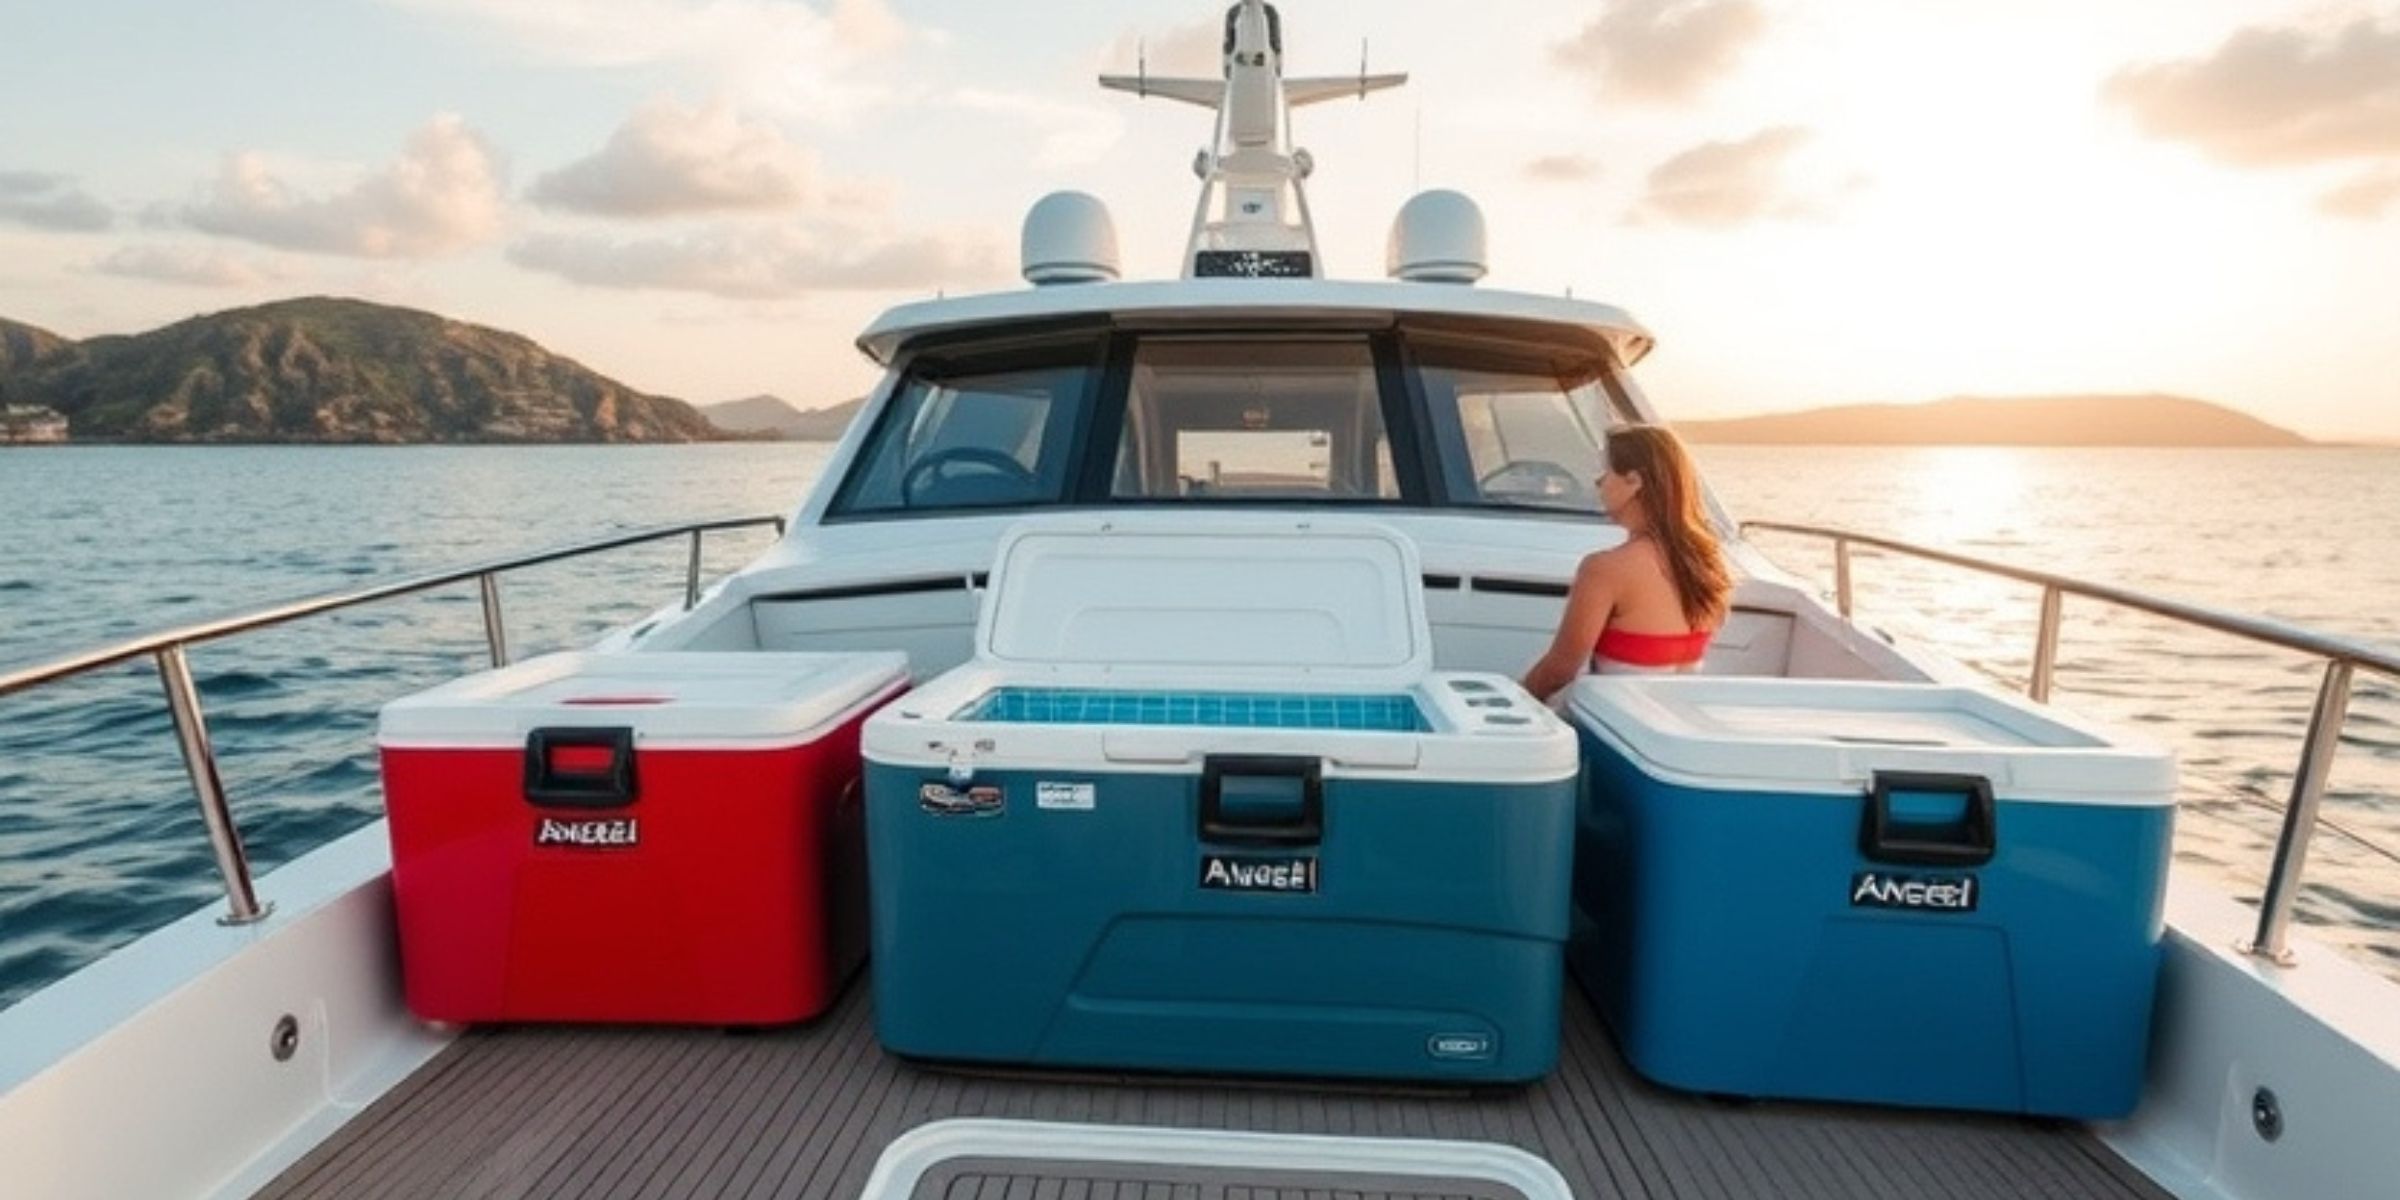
[[550, 785], [1306, 827], [1966, 842]]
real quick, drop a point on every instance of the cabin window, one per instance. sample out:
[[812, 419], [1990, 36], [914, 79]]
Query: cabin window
[[1253, 420], [1517, 433], [973, 436]]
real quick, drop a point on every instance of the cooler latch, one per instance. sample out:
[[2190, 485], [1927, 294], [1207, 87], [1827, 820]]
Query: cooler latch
[[1927, 818], [1262, 800], [579, 768]]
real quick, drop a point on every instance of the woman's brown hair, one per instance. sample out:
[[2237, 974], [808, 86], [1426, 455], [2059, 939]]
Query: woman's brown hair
[[1670, 501]]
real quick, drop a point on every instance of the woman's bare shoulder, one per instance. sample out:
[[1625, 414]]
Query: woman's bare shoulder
[[1612, 561]]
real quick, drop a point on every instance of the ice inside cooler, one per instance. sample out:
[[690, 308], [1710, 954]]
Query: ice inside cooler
[[1386, 713]]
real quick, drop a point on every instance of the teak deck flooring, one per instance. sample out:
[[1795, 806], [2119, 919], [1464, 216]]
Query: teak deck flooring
[[803, 1112]]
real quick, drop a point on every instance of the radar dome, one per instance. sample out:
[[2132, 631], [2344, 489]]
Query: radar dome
[[1437, 238], [1069, 238]]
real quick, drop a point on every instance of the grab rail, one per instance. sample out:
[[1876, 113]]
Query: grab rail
[[183, 697], [2343, 658]]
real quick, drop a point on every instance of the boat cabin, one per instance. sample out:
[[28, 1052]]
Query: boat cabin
[[1414, 414]]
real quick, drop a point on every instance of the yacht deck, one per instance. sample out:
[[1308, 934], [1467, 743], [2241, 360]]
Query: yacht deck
[[557, 1111]]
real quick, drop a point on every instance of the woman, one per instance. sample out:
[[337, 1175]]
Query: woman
[[1652, 603]]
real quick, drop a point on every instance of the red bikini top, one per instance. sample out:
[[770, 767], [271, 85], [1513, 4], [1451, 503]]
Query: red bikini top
[[1652, 649]]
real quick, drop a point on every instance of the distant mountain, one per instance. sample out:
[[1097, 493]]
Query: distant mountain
[[775, 415], [754, 414], [23, 347], [2149, 420], [334, 370]]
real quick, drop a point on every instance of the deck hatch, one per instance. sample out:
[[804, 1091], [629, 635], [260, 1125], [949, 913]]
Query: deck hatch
[[950, 1160]]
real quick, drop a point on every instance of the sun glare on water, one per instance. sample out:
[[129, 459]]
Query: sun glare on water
[[1964, 494]]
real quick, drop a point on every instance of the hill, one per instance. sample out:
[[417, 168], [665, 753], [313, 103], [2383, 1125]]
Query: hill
[[23, 347], [2147, 420], [775, 415], [754, 414], [334, 370]]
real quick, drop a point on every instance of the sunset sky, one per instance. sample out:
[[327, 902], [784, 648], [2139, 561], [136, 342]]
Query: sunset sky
[[1810, 203]]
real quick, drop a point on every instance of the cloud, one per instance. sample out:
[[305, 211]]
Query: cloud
[[50, 202], [797, 60], [2275, 96], [2364, 198], [1562, 168], [1193, 50], [868, 25], [1661, 51], [762, 263], [440, 198], [196, 268], [1719, 185], [668, 160], [1072, 134]]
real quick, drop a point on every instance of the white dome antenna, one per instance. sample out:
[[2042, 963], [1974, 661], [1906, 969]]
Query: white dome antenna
[[1069, 238], [1437, 238]]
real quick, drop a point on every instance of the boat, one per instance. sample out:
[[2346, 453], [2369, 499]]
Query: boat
[[263, 1048]]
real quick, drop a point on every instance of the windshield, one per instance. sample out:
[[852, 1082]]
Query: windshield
[[1229, 419], [991, 434], [1389, 419], [1518, 432]]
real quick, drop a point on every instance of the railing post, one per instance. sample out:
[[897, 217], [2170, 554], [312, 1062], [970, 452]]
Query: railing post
[[1841, 575], [691, 576], [200, 762], [2300, 816], [495, 627], [2045, 647]]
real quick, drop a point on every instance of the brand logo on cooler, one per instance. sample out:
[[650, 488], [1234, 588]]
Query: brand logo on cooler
[[1065, 797], [613, 833], [1232, 873], [1459, 1045], [943, 800], [1930, 893]]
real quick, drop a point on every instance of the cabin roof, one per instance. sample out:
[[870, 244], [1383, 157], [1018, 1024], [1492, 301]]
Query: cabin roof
[[1365, 301]]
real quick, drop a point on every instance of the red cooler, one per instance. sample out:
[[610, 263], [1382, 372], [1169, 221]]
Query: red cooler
[[657, 838]]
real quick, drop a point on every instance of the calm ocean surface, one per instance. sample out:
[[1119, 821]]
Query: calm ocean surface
[[100, 840]]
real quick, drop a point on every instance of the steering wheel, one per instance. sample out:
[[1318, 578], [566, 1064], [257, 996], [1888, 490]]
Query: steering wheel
[[999, 462], [1531, 477]]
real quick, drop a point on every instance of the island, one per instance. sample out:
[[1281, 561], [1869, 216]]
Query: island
[[2088, 420], [320, 370]]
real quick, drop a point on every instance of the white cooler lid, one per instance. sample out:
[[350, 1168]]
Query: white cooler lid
[[1820, 736], [1228, 596], [685, 699]]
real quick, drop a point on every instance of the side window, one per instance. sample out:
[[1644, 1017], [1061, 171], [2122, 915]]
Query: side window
[[959, 437], [1515, 434]]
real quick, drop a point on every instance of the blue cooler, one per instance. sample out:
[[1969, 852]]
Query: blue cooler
[[1200, 804], [1900, 894]]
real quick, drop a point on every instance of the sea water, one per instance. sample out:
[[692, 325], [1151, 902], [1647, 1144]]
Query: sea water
[[100, 840]]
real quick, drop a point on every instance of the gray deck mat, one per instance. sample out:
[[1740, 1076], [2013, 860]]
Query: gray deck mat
[[1042, 1179], [577, 1112]]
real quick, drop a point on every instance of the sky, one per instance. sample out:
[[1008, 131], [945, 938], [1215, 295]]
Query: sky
[[1836, 201]]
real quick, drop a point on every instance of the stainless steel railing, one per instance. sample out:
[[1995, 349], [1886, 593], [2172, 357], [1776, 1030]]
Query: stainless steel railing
[[183, 697], [2343, 659]]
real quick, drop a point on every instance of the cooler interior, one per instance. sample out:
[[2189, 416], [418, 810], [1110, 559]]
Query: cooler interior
[[1388, 713]]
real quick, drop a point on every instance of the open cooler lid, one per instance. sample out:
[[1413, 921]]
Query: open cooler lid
[[1818, 736], [1232, 595], [683, 700]]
